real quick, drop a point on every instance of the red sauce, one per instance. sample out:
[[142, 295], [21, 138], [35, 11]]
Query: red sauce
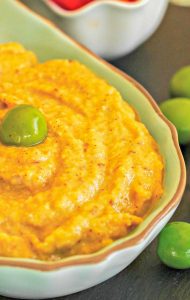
[[75, 4]]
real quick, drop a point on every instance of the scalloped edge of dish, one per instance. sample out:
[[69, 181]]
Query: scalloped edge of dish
[[93, 5]]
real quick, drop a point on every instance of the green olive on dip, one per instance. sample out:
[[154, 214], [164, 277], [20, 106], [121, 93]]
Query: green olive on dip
[[24, 125]]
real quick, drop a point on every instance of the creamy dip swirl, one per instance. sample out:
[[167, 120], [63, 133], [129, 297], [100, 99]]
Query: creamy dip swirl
[[91, 181]]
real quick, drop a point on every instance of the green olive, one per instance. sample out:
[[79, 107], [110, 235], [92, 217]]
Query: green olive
[[174, 245], [177, 110], [180, 83], [24, 125]]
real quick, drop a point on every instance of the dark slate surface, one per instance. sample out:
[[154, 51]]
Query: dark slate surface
[[152, 64]]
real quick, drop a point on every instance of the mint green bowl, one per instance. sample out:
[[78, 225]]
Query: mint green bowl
[[22, 278]]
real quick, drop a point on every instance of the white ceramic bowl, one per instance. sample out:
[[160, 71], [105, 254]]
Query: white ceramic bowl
[[33, 279], [112, 28]]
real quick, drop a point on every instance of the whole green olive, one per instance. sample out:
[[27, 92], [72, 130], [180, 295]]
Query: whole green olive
[[24, 125], [174, 245], [180, 83], [177, 110]]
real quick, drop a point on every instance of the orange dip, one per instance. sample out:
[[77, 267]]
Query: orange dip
[[91, 181]]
